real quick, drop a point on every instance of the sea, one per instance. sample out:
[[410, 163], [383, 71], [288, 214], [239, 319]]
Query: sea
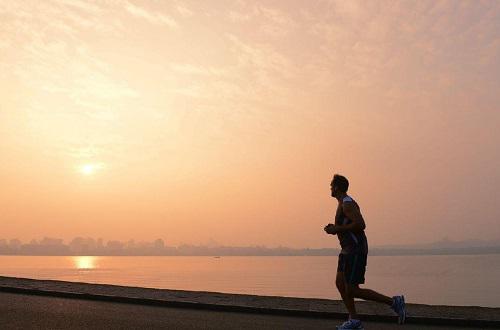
[[461, 280]]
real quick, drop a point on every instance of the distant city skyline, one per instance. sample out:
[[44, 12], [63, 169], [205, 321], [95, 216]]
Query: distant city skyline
[[99, 246]]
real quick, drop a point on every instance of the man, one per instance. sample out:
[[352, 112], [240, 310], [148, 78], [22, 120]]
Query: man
[[350, 229]]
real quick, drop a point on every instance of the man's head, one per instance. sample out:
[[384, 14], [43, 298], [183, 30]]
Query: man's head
[[339, 185]]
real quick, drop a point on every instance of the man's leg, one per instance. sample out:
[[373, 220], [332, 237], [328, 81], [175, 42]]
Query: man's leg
[[397, 303], [368, 294], [356, 271], [346, 295], [354, 274]]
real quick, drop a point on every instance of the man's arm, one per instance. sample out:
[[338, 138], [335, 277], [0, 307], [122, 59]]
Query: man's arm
[[357, 221]]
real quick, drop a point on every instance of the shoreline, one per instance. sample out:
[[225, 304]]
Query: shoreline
[[304, 307]]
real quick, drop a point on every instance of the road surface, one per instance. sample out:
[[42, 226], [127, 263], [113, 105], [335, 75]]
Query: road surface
[[19, 311]]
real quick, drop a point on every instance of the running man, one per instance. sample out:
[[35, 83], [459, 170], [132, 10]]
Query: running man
[[350, 229]]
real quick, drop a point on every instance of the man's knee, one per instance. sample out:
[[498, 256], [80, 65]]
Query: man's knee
[[352, 290]]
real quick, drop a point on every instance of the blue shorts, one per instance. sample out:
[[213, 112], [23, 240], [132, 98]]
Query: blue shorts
[[353, 266]]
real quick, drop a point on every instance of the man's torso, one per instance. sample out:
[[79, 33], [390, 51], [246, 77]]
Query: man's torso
[[350, 242]]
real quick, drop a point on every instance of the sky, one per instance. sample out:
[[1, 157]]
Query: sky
[[224, 121]]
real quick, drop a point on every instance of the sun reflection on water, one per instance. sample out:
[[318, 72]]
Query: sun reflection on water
[[85, 262]]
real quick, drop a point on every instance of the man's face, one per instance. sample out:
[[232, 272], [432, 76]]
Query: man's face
[[332, 189]]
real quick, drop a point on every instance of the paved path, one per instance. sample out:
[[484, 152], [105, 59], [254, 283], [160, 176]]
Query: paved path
[[20, 311], [304, 307]]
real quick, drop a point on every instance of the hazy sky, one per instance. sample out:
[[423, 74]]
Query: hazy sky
[[225, 120]]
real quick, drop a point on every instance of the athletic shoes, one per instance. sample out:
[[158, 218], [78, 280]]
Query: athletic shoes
[[350, 325], [399, 306]]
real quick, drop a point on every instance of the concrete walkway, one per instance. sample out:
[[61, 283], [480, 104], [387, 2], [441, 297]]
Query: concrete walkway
[[21, 311], [477, 317]]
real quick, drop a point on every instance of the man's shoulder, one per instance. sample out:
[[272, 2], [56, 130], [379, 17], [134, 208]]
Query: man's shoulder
[[349, 202], [347, 199]]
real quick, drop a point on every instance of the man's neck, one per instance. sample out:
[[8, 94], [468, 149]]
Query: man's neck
[[340, 197]]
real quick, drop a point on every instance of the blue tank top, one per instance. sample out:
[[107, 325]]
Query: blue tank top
[[350, 242]]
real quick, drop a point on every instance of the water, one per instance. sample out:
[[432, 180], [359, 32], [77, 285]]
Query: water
[[471, 280]]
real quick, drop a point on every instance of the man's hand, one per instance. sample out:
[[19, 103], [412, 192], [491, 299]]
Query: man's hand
[[330, 229]]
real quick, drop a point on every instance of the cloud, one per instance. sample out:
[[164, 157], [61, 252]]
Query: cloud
[[192, 69], [184, 10], [269, 20], [69, 89], [402, 46], [239, 17], [262, 59], [151, 17], [80, 5]]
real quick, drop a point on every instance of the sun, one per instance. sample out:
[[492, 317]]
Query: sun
[[89, 169]]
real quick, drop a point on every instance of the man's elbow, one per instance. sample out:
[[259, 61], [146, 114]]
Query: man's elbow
[[361, 226]]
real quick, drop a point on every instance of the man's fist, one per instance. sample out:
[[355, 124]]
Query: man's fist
[[330, 229]]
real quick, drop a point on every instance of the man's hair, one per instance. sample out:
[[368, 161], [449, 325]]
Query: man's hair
[[340, 182]]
